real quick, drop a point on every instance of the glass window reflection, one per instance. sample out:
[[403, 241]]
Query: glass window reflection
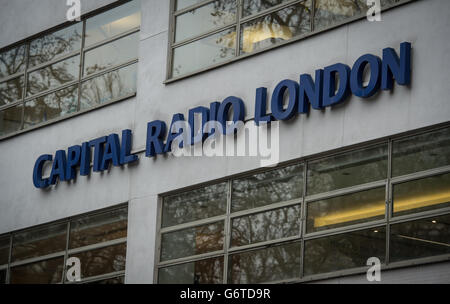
[[209, 271], [12, 61], [251, 7], [266, 226], [192, 241], [11, 91], [420, 239], [4, 250], [107, 87], [329, 13], [113, 22], [204, 19], [194, 205], [276, 27], [347, 210], [10, 120], [421, 152], [39, 242], [102, 261], [344, 251], [422, 195], [266, 188], [44, 272], [347, 169], [114, 53], [51, 106], [98, 228], [207, 51], [55, 45], [53, 76], [265, 265]]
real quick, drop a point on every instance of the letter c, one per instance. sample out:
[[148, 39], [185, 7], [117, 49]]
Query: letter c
[[37, 172]]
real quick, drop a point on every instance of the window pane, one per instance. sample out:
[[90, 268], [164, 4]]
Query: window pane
[[208, 271], [114, 53], [344, 251], [105, 88], [114, 281], [419, 239], [12, 61], [56, 45], [348, 169], [267, 188], [2, 276], [185, 3], [53, 76], [421, 195], [45, 272], [4, 250], [102, 261], [346, 210], [113, 22], [329, 13], [10, 120], [255, 6], [204, 19], [274, 28], [98, 228], [11, 91], [271, 225], [192, 241], [39, 242], [422, 152], [194, 205], [52, 106], [265, 265], [208, 51]]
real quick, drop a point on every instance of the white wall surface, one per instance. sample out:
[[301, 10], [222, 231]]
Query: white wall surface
[[424, 23]]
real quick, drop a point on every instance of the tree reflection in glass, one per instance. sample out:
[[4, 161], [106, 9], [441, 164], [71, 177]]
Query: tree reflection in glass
[[420, 239], [209, 271], [266, 226], [276, 27], [44, 272], [331, 12], [421, 152], [12, 61], [55, 45], [267, 188], [194, 205], [192, 241], [344, 251], [48, 107], [112, 85], [101, 261], [11, 90], [347, 169], [280, 262]]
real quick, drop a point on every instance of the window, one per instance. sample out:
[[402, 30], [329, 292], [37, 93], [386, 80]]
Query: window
[[38, 255], [79, 67], [318, 217], [208, 33]]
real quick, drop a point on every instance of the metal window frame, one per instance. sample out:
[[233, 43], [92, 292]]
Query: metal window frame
[[68, 251], [81, 77], [303, 236], [171, 42]]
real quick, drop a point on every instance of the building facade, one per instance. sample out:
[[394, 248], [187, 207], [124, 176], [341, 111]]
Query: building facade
[[359, 110]]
